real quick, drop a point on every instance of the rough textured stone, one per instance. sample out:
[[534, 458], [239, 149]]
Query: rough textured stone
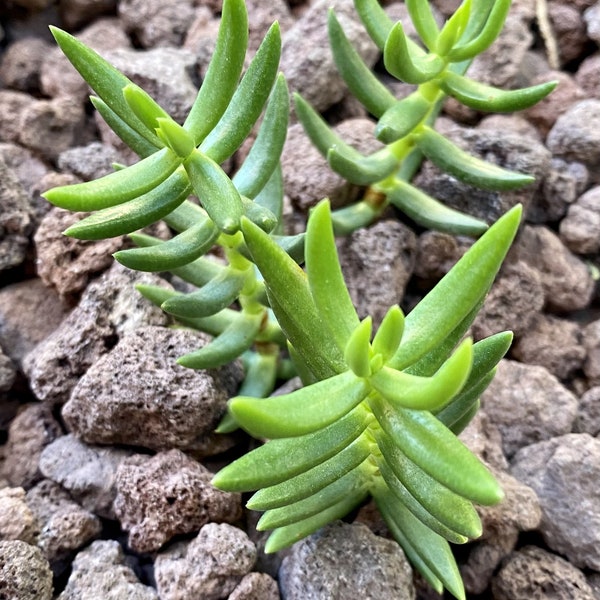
[[588, 416], [553, 343], [50, 126], [30, 171], [24, 572], [377, 263], [76, 13], [591, 341], [12, 105], [591, 18], [86, 472], [209, 567], [89, 162], [256, 586], [15, 219], [65, 526], [29, 433], [29, 312], [484, 439], [101, 571], [567, 282], [169, 406], [568, 29], [563, 184], [536, 574], [168, 494], [528, 404], [588, 76], [17, 522], [65, 263], [545, 113], [21, 62], [156, 23], [7, 372], [261, 15], [514, 302], [580, 229], [108, 309], [342, 561], [576, 133], [306, 57], [437, 253], [569, 495]]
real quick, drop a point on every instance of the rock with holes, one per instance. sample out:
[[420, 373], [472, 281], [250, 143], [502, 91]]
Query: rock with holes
[[101, 571], [24, 572], [209, 567], [168, 494], [109, 308], [17, 522], [138, 395], [569, 494], [346, 561]]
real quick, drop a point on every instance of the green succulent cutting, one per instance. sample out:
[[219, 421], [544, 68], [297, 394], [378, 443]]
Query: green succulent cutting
[[405, 125], [379, 412]]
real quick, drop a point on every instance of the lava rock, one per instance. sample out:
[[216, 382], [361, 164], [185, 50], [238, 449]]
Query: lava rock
[[528, 404], [138, 395], [17, 522], [101, 571], [580, 229], [588, 415], [256, 586], [536, 574], [568, 494], [24, 572], [591, 341], [21, 63], [168, 494], [210, 567], [345, 561]]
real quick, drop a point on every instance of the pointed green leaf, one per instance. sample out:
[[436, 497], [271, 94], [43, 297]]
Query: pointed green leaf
[[346, 486], [175, 137], [180, 250], [228, 346], [358, 349], [491, 99], [465, 167], [290, 534], [403, 496], [304, 411], [292, 302], [134, 214], [360, 169], [424, 21], [453, 28], [453, 511], [436, 450], [458, 292], [263, 158], [359, 78], [486, 37], [408, 62], [145, 108], [223, 72], [139, 144], [217, 294], [389, 335], [118, 187], [430, 213], [104, 79], [281, 459], [247, 102], [325, 278], [215, 190], [313, 480], [426, 393], [428, 551], [376, 21], [402, 117]]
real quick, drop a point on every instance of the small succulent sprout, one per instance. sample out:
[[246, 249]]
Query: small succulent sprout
[[174, 136], [389, 334], [143, 106], [402, 118], [358, 352]]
